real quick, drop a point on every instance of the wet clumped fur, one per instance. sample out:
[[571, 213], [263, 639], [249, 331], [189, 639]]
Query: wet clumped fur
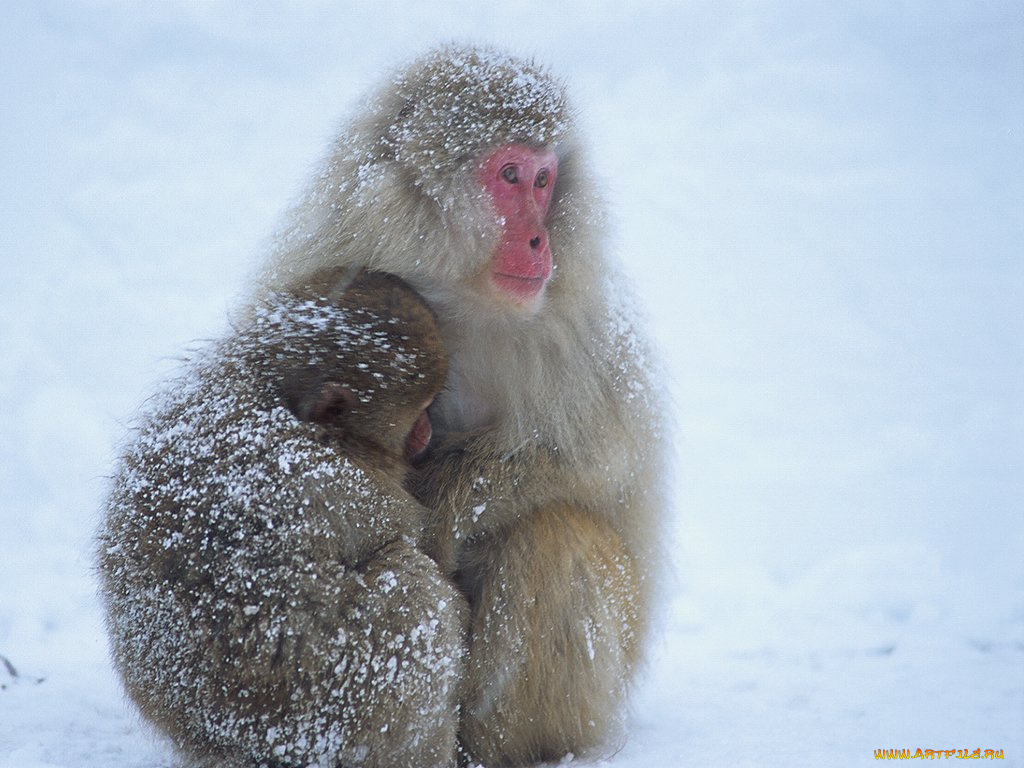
[[546, 478], [266, 599]]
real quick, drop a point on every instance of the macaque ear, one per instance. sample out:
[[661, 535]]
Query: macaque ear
[[331, 404]]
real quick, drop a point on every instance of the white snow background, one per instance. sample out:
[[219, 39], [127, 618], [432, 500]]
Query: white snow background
[[822, 206]]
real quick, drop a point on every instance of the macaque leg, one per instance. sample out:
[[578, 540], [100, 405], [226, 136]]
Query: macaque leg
[[554, 639], [361, 667]]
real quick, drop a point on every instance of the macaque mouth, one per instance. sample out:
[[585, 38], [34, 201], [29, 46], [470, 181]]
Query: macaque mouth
[[419, 437], [520, 287]]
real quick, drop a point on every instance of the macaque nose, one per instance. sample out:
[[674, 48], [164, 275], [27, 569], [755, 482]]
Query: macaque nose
[[535, 243]]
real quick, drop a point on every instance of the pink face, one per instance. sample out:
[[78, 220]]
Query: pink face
[[520, 181], [419, 437]]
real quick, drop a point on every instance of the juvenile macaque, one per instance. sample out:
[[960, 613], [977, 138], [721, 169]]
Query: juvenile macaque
[[464, 175], [266, 600]]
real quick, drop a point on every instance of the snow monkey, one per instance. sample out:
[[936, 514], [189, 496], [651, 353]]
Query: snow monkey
[[266, 600], [464, 175]]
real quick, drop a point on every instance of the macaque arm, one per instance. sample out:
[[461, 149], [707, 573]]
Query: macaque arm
[[473, 489]]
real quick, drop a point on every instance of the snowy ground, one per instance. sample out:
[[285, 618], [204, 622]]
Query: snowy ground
[[822, 205]]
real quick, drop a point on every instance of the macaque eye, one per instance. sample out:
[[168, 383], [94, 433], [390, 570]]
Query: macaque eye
[[542, 178], [509, 174]]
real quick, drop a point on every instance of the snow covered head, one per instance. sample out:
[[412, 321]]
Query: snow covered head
[[459, 172], [456, 104], [362, 360]]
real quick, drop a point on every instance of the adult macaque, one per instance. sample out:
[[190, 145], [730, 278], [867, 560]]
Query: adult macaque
[[266, 600], [464, 175]]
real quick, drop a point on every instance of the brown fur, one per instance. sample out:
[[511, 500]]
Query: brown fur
[[576, 603], [546, 482], [266, 600]]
